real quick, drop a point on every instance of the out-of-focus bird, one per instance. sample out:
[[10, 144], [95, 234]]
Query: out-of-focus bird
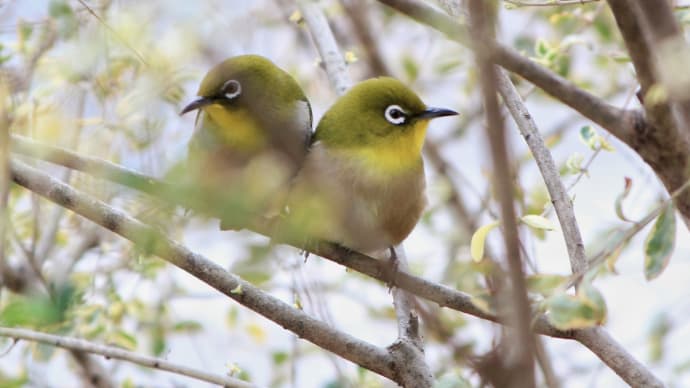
[[252, 135]]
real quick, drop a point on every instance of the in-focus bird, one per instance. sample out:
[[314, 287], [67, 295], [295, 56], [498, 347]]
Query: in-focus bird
[[362, 184], [252, 134]]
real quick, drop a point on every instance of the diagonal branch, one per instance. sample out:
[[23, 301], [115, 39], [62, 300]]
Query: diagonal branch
[[615, 120], [522, 368], [557, 191], [326, 45], [614, 355], [596, 339], [151, 240], [663, 150], [82, 347]]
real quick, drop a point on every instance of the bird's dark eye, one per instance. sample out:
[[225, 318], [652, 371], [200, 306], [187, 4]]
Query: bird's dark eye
[[231, 89], [395, 115]]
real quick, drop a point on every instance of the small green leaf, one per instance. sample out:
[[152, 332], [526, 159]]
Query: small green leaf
[[566, 312], [280, 357], [447, 66], [621, 197], [452, 380], [541, 48], [37, 311], [593, 140], [59, 9], [411, 67], [479, 240], [187, 326], [231, 317], [620, 58], [538, 222], [237, 290], [586, 309], [122, 339], [593, 298], [67, 23], [545, 284], [605, 145], [660, 243], [661, 325], [589, 136], [574, 164], [616, 254], [33, 312]]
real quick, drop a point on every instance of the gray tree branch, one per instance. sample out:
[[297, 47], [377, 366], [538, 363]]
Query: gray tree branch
[[521, 367], [81, 347], [663, 150], [151, 240], [408, 350], [557, 191], [326, 45], [443, 295]]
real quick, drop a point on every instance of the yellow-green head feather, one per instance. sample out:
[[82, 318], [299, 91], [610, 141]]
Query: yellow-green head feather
[[380, 122], [249, 103], [258, 76]]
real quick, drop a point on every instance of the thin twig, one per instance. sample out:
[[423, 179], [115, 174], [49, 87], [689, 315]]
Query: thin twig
[[443, 295], [522, 367], [545, 364], [600, 257], [325, 43], [557, 191], [45, 245], [83, 346], [358, 14], [115, 33], [5, 181]]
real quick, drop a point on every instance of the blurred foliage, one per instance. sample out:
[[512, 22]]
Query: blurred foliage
[[660, 243], [112, 87]]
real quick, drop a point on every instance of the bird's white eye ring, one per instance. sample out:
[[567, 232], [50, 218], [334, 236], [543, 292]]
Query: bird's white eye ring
[[231, 89], [395, 114]]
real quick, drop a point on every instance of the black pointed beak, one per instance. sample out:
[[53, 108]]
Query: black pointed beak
[[197, 104], [431, 113]]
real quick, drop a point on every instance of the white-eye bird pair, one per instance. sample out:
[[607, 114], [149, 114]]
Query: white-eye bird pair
[[357, 181]]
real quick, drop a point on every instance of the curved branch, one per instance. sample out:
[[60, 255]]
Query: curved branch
[[521, 365], [614, 119], [151, 240], [443, 295], [82, 347], [663, 150], [326, 45], [557, 191], [438, 293]]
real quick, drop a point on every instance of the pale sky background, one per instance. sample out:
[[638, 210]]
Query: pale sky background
[[229, 28]]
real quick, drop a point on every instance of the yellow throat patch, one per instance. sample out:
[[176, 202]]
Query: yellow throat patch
[[237, 128], [398, 155]]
